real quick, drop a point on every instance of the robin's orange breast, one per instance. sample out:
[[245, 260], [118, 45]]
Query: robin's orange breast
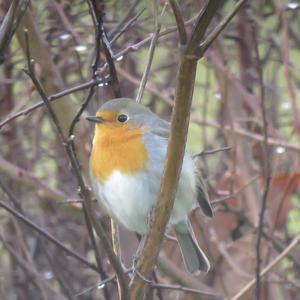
[[117, 148]]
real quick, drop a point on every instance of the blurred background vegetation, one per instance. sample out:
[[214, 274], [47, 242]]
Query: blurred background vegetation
[[37, 181]]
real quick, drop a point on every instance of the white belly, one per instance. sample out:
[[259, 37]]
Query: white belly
[[130, 198]]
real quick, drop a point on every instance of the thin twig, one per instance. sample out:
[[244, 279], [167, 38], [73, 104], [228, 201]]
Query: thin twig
[[184, 289], [122, 24], [55, 266], [260, 138], [94, 77], [179, 22], [100, 284], [39, 281], [111, 65], [59, 8], [26, 178], [276, 244], [267, 167], [47, 235], [163, 33], [176, 274], [222, 199], [247, 134], [268, 268], [126, 26], [151, 51], [54, 97], [203, 20], [213, 151], [216, 32]]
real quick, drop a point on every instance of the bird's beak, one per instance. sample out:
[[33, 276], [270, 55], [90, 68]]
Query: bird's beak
[[95, 119]]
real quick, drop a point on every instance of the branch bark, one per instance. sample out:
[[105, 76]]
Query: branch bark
[[175, 152]]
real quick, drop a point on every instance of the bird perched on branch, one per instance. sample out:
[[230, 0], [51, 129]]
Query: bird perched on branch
[[126, 166]]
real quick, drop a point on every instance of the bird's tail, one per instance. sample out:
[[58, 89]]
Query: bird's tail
[[194, 258]]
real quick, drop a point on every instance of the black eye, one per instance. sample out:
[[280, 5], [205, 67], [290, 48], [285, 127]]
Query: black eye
[[122, 118]]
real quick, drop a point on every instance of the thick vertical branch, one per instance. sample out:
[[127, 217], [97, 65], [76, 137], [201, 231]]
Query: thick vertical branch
[[175, 152], [176, 148]]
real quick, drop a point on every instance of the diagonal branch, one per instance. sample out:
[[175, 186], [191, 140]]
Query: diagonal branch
[[121, 27], [179, 22], [10, 24], [201, 26], [54, 97], [150, 53], [89, 213], [46, 235], [216, 32], [98, 20]]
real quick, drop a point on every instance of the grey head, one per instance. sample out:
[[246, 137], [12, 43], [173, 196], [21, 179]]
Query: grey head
[[138, 115]]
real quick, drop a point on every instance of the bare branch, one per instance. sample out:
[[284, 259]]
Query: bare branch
[[185, 290], [208, 152], [179, 22], [47, 235], [202, 23], [123, 24], [268, 268], [54, 97], [151, 52], [10, 24], [39, 281], [216, 32], [267, 167]]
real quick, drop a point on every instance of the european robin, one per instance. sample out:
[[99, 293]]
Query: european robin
[[126, 166]]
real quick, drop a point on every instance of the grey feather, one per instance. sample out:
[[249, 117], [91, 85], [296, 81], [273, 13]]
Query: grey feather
[[194, 258]]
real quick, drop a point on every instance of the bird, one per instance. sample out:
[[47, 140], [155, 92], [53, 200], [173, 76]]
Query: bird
[[126, 165]]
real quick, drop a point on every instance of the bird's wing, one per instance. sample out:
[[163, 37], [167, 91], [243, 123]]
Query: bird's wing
[[161, 128], [202, 196]]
